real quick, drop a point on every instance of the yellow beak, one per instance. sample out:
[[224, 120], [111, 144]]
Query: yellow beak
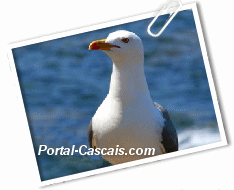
[[101, 45]]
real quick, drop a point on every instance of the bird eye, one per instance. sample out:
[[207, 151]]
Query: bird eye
[[125, 40]]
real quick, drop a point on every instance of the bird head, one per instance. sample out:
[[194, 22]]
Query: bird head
[[122, 46]]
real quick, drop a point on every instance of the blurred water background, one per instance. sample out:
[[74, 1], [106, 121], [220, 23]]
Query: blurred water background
[[63, 84]]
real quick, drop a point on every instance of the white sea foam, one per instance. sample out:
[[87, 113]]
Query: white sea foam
[[197, 137]]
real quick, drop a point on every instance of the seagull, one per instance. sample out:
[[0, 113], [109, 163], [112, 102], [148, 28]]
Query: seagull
[[128, 118]]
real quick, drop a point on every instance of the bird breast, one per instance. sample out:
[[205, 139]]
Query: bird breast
[[133, 125]]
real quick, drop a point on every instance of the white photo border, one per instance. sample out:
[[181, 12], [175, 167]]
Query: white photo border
[[192, 7]]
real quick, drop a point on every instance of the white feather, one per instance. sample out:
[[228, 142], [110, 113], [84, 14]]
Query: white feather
[[127, 117]]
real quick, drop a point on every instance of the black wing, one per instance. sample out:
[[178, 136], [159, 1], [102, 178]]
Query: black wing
[[169, 134], [90, 134]]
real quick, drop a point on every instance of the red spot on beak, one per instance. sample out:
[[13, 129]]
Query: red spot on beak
[[94, 46]]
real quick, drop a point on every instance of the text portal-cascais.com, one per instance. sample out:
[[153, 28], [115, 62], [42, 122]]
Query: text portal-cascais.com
[[84, 150]]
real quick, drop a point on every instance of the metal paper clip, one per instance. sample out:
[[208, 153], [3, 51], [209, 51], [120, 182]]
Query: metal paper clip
[[166, 6]]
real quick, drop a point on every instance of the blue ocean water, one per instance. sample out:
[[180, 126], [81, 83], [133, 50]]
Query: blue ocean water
[[63, 84]]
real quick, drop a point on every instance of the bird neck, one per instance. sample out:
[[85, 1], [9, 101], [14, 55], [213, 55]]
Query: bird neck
[[128, 82]]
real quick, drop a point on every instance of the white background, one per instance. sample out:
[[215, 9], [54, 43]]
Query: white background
[[212, 169]]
